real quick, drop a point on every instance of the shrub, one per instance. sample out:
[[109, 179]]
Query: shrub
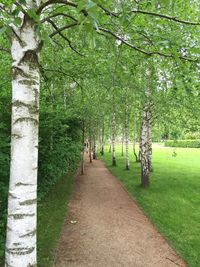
[[192, 136], [183, 143]]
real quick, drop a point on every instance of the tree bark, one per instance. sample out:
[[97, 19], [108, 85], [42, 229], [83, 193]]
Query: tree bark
[[22, 200], [102, 141], [146, 143], [127, 138], [113, 141], [144, 148], [122, 154], [94, 149], [137, 156], [83, 147], [90, 148], [150, 141], [110, 148]]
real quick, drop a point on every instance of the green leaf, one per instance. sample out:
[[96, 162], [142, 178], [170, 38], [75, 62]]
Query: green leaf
[[32, 14], [3, 29], [17, 21]]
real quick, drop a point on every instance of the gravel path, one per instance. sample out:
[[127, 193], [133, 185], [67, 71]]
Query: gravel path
[[105, 227]]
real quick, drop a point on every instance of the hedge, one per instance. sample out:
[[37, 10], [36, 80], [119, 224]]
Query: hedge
[[183, 143]]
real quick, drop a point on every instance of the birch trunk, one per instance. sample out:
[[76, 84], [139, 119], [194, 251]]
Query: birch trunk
[[113, 141], [122, 154], [150, 142], [127, 138], [102, 141], [94, 149], [144, 148], [21, 223], [137, 157], [90, 148], [83, 148]]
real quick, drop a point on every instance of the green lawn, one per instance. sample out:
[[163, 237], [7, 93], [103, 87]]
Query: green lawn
[[51, 214], [173, 200]]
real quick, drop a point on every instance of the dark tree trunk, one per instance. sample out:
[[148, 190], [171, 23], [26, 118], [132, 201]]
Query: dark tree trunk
[[102, 141], [83, 149], [95, 149], [137, 157], [126, 129], [122, 154]]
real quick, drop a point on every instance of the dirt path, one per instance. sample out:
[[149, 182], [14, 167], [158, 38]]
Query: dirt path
[[105, 228]]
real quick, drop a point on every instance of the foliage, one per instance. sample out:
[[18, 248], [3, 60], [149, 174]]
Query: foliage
[[59, 148], [183, 143], [194, 135]]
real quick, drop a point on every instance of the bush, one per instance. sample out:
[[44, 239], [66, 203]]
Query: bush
[[59, 153], [183, 143], [192, 136]]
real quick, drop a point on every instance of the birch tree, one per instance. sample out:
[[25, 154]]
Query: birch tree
[[127, 135], [21, 223]]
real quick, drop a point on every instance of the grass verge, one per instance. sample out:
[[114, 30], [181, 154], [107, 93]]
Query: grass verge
[[51, 214], [172, 201]]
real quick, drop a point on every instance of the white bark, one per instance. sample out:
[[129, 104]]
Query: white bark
[[144, 148], [21, 224], [150, 141], [127, 138], [113, 140], [146, 143], [122, 143], [137, 156], [102, 140]]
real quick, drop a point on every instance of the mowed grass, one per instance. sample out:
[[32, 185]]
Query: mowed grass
[[172, 201], [51, 214]]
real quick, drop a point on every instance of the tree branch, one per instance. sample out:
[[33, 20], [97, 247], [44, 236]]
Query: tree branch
[[61, 72], [51, 2], [165, 17], [56, 15], [59, 30], [145, 12], [63, 36], [108, 12], [147, 53], [5, 50]]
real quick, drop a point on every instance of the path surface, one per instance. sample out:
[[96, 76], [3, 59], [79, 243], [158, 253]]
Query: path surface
[[105, 227]]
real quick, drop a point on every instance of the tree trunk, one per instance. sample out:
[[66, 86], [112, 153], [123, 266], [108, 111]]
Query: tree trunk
[[144, 149], [90, 148], [122, 154], [137, 156], [110, 148], [102, 141], [94, 149], [83, 148], [22, 200], [127, 138], [113, 141], [150, 142]]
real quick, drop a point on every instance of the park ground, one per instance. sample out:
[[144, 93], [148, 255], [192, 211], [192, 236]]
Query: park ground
[[173, 199], [171, 202]]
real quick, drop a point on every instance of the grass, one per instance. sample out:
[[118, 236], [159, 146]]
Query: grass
[[51, 213], [172, 201]]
